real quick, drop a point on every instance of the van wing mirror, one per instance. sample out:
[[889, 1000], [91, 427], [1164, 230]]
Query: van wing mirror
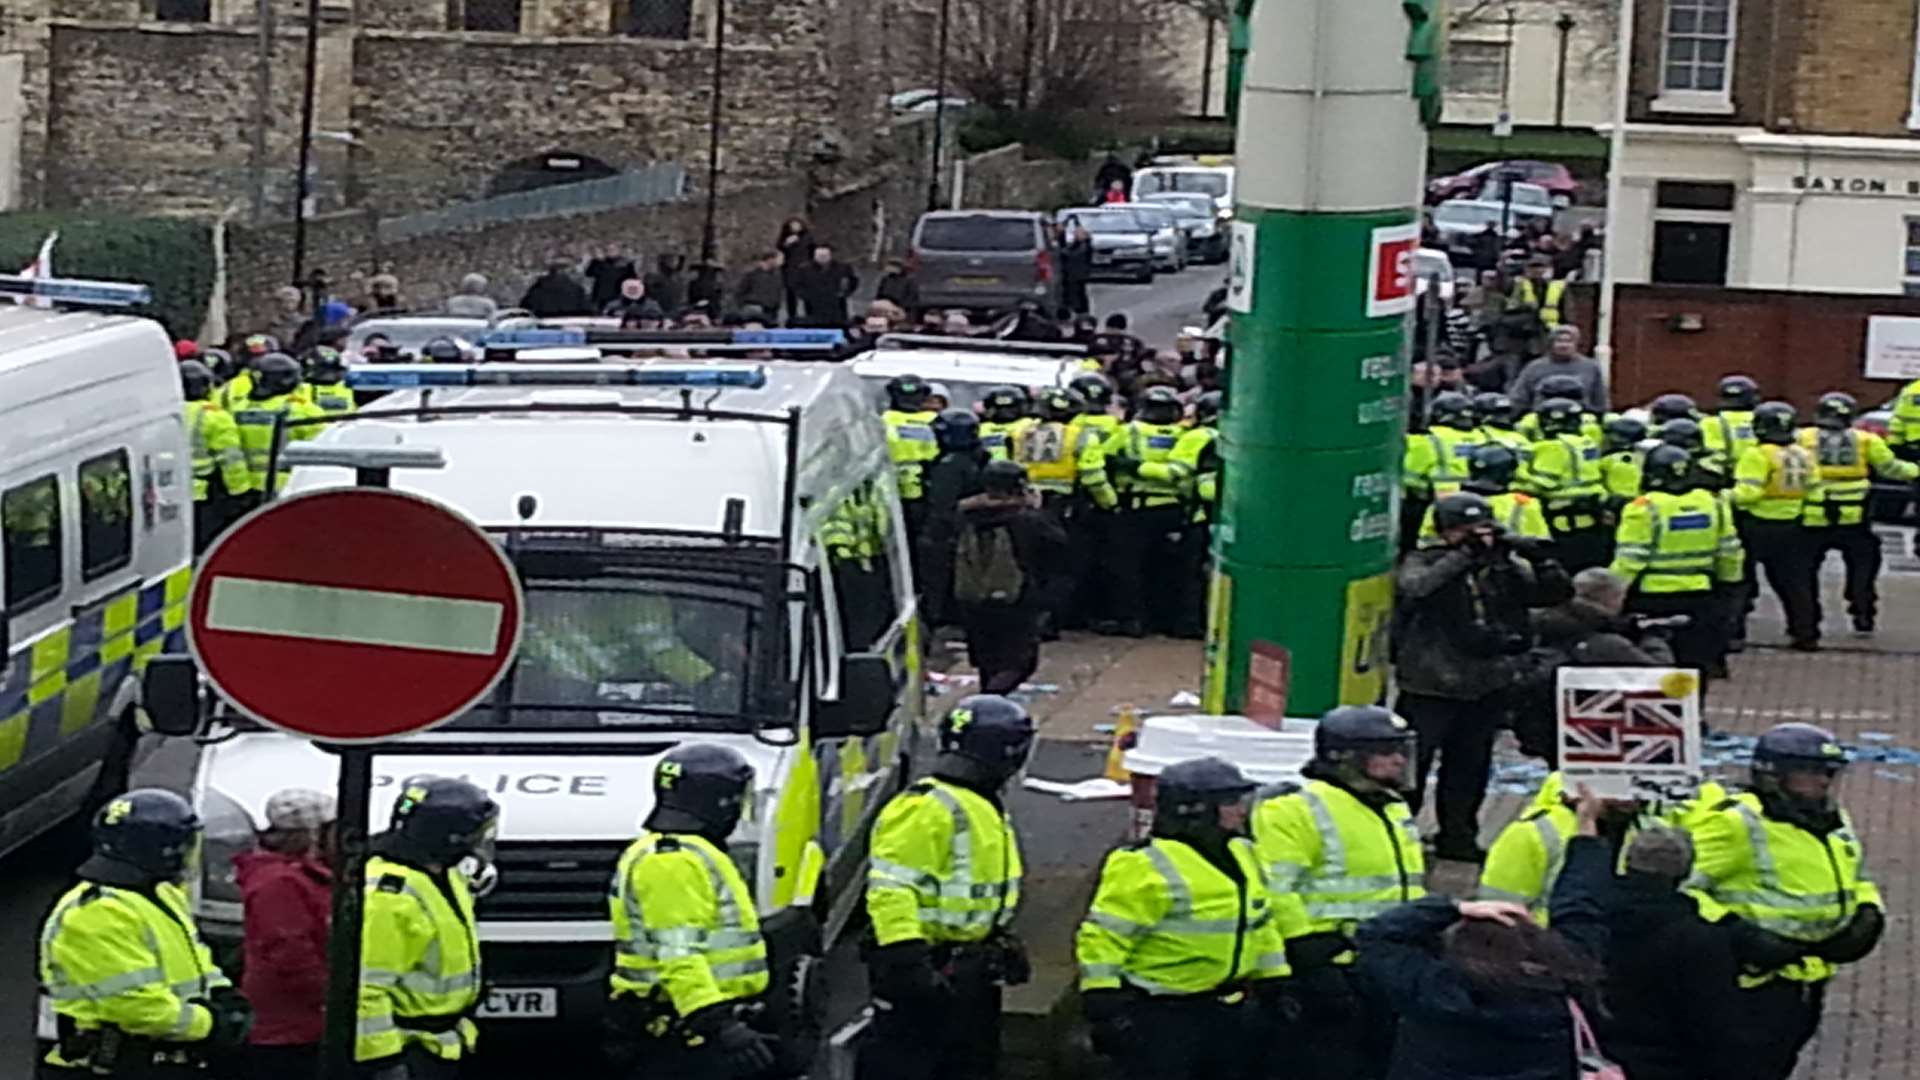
[[866, 699], [170, 695]]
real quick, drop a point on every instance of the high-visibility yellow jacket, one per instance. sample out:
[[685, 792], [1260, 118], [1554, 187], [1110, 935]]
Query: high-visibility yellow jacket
[[1516, 511], [998, 438], [1903, 429], [1087, 437], [1620, 473], [113, 957], [332, 397], [1591, 426], [1729, 434], [1773, 482], [256, 421], [1564, 472], [1047, 449], [911, 443], [945, 866], [1528, 855], [1436, 462], [1848, 460], [215, 439], [1685, 543], [1166, 921], [1195, 452], [419, 964], [1161, 479], [1781, 877], [684, 925], [1548, 301], [1510, 438], [1333, 861]]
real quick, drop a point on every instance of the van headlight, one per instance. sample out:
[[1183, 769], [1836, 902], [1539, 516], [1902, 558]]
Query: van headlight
[[228, 831]]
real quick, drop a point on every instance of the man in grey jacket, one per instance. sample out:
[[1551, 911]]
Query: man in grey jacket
[[1462, 621], [472, 301], [1563, 358]]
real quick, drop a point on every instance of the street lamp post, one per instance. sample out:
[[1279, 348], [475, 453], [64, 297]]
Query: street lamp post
[[1565, 25], [709, 229], [302, 180], [939, 105]]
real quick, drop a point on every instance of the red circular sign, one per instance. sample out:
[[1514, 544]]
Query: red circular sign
[[354, 614]]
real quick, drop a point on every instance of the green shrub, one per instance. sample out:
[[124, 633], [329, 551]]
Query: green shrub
[[171, 255], [1047, 134]]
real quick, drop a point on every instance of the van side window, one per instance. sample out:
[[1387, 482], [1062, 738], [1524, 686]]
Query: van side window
[[30, 522], [858, 540], [106, 514]]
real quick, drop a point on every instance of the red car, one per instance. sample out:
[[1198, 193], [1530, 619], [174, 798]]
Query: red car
[[1467, 185]]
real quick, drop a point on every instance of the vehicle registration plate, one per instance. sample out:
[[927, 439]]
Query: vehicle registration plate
[[1100, 259], [521, 1003], [976, 281]]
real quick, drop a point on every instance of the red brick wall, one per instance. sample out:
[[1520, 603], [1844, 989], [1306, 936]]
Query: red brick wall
[[1799, 345]]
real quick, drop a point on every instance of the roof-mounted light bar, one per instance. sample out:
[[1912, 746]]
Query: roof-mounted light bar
[[77, 291], [421, 376]]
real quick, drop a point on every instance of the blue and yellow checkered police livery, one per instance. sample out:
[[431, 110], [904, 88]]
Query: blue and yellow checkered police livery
[[59, 684]]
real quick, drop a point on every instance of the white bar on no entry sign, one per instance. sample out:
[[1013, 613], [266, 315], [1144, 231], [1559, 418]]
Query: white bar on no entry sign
[[356, 616]]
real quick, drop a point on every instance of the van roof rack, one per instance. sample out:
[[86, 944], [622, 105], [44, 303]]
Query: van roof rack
[[611, 340], [77, 292], [985, 345]]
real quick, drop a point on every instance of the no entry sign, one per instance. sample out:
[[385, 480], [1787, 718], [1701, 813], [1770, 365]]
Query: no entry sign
[[354, 614]]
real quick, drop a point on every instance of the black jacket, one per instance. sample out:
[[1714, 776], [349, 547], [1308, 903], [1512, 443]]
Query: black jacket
[[1450, 1029], [765, 288], [1461, 619], [1592, 638], [1039, 543], [900, 290], [556, 294], [823, 292], [1076, 260], [1673, 1010], [606, 274]]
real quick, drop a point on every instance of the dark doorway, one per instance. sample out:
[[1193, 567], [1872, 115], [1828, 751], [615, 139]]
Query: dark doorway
[[1690, 253], [547, 170]]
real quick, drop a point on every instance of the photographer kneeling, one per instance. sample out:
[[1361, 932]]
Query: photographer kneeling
[[1589, 629], [1460, 626]]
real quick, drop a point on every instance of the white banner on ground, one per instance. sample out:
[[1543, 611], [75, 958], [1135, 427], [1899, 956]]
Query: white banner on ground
[[1631, 733]]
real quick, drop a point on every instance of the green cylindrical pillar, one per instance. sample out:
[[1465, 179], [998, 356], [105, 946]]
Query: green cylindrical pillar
[[1330, 155], [1237, 37]]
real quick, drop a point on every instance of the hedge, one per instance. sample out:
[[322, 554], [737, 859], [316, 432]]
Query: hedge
[[172, 255]]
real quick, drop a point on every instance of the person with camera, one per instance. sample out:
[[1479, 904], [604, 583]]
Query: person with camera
[[1461, 625]]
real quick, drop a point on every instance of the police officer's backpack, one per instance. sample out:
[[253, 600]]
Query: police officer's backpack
[[986, 568]]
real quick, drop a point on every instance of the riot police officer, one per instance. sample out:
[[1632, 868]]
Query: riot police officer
[[1003, 413], [1773, 482], [1198, 452], [1435, 463], [1835, 514], [420, 959], [135, 992], [1670, 407], [1729, 429], [270, 406], [1338, 851], [1563, 470], [327, 380], [690, 965], [910, 442], [1151, 484], [1679, 553], [1620, 459], [942, 887], [219, 464]]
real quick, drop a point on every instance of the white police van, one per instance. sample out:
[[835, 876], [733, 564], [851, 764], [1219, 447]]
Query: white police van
[[968, 367], [712, 551], [96, 522]]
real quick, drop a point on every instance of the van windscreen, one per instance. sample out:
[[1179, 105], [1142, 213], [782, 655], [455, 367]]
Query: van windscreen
[[980, 233]]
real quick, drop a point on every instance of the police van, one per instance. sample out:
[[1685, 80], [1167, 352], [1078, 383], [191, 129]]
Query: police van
[[712, 551], [96, 520], [968, 367]]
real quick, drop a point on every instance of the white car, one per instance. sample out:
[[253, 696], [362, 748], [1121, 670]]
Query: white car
[[1167, 237], [1431, 264], [1213, 181], [967, 367], [1460, 221]]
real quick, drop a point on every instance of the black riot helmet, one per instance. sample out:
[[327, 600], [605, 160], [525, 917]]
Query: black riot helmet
[[1206, 407], [1060, 405], [1836, 411], [1560, 416], [957, 430], [1461, 509], [1451, 409], [154, 831], [1623, 433], [1789, 748], [1492, 467], [221, 361], [1739, 392], [443, 819], [1346, 741], [1563, 386], [1159, 405], [443, 350], [275, 374], [1773, 422], [1684, 433], [1004, 404], [196, 380], [1667, 468], [1187, 798], [1494, 410], [700, 788], [325, 366], [1095, 390], [907, 393], [984, 740], [1003, 477], [1671, 407]]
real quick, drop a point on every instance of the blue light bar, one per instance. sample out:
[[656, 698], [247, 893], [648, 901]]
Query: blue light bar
[[612, 339], [534, 338], [790, 339], [425, 376], [77, 291]]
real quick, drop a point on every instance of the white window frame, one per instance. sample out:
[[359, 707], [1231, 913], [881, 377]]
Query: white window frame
[[1909, 281], [1715, 102]]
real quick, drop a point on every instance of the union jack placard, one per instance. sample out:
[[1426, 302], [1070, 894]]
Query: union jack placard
[[1630, 732]]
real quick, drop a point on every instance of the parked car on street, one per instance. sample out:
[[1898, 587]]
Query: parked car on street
[[1169, 239], [1461, 220], [1198, 218], [1558, 181], [1122, 243], [1213, 181], [984, 260]]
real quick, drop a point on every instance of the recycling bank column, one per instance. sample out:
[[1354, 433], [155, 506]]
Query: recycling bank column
[[1331, 154]]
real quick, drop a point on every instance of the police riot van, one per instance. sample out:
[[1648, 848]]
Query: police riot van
[[711, 551], [96, 522], [968, 367]]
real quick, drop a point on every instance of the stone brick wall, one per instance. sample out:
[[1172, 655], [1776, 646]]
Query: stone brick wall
[[1006, 177], [1854, 66]]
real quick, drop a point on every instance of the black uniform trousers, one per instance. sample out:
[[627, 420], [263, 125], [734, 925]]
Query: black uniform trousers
[[1782, 1017], [1460, 734], [1859, 550], [1580, 549], [1003, 644], [1080, 591], [955, 1036], [1196, 1038], [1188, 619], [1784, 551], [1143, 538], [1702, 643]]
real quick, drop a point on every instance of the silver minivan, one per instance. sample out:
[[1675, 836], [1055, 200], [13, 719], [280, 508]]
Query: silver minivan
[[984, 260]]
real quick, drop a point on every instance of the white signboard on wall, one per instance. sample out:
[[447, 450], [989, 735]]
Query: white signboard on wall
[[1893, 347]]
